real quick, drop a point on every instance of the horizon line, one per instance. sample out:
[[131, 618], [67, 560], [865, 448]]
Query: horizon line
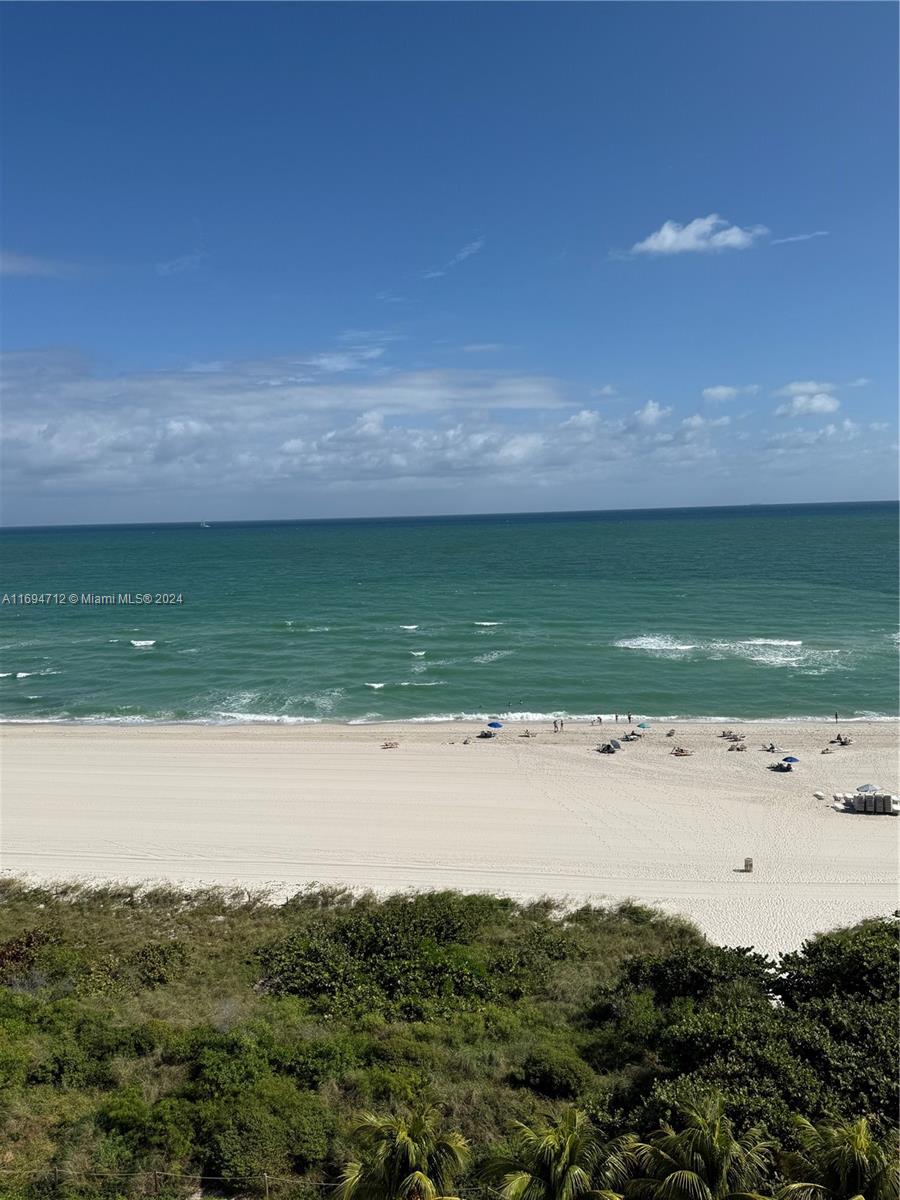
[[562, 512]]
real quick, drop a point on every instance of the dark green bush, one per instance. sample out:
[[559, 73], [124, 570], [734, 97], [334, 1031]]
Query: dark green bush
[[553, 1072]]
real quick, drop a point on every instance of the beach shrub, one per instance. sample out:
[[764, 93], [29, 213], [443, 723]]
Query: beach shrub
[[252, 1040], [553, 1072], [275, 1129]]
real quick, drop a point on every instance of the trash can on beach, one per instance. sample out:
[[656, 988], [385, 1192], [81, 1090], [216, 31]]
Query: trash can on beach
[[748, 866]]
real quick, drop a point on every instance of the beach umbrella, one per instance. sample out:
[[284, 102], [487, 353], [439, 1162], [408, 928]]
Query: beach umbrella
[[643, 725], [495, 724], [867, 787], [790, 758]]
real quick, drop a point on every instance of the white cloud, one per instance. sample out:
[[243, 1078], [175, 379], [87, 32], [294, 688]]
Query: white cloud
[[606, 390], [651, 413], [879, 426], [803, 388], [700, 422], [467, 251], [800, 237], [27, 266], [248, 428], [802, 406], [723, 391], [483, 347], [858, 383], [702, 235]]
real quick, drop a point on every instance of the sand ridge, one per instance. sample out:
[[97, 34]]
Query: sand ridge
[[282, 806]]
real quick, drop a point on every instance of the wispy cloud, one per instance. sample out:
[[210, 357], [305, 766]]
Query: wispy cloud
[[28, 266], [470, 249], [703, 235], [800, 237], [858, 383], [178, 266], [484, 347], [606, 391], [721, 391]]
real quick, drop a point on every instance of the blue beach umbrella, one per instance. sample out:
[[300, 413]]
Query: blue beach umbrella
[[495, 724], [643, 725], [790, 758]]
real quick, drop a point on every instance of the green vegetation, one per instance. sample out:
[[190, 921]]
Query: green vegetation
[[154, 1042]]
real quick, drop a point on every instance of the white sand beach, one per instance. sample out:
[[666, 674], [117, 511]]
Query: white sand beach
[[283, 806]]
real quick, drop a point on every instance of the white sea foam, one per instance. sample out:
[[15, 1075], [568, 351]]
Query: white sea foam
[[417, 653], [23, 674], [325, 701], [487, 624], [142, 644], [190, 650], [492, 656], [767, 652], [246, 718], [410, 628], [111, 640], [5, 674], [769, 642], [318, 629], [655, 643], [376, 686]]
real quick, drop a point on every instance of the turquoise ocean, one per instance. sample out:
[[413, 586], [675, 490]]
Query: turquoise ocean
[[733, 613]]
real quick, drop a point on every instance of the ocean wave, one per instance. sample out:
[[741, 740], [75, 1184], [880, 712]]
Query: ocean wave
[[318, 629], [143, 644], [487, 624], [654, 643], [246, 718], [767, 652], [376, 686], [410, 628], [24, 674], [324, 702], [5, 674], [492, 656], [424, 683], [417, 653], [770, 642]]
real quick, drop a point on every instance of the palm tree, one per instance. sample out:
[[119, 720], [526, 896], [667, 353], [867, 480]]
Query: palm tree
[[405, 1157], [840, 1162], [560, 1161], [702, 1161]]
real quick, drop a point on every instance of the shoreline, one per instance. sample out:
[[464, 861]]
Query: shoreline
[[281, 806], [253, 721]]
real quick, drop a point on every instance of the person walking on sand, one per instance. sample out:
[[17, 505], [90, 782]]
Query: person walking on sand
[[835, 718], [556, 726], [617, 718], [629, 718]]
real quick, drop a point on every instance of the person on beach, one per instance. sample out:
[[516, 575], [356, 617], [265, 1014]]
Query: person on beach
[[629, 718], [556, 726], [835, 718], [617, 718]]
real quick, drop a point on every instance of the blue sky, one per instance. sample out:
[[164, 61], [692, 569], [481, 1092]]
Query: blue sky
[[286, 260]]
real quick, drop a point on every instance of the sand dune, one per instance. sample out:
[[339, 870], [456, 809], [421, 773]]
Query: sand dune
[[284, 806]]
